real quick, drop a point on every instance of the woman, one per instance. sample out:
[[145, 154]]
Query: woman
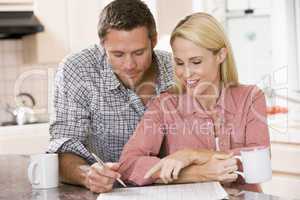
[[211, 111]]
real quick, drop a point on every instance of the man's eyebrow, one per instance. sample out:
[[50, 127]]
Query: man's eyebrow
[[116, 51], [141, 49]]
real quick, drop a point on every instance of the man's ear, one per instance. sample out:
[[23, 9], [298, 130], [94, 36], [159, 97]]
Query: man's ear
[[222, 54], [153, 41]]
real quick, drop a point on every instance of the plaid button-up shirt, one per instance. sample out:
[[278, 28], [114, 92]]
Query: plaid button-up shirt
[[94, 112]]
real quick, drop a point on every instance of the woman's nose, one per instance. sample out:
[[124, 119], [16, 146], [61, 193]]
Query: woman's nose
[[187, 72]]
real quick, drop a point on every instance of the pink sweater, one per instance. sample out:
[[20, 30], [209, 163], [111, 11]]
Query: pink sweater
[[174, 122]]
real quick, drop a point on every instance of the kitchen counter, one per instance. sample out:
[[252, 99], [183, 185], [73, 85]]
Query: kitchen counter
[[25, 139], [284, 128], [14, 185], [18, 128]]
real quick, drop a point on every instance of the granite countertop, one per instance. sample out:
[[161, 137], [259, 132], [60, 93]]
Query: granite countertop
[[15, 185]]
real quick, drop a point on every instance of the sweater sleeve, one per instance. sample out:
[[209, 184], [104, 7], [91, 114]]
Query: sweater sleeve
[[142, 150], [256, 132]]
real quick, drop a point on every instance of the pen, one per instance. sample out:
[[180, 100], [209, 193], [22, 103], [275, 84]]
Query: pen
[[101, 163]]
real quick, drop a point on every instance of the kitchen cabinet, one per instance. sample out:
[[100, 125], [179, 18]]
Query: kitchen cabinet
[[264, 42], [16, 1], [82, 23], [251, 46], [69, 26], [285, 151], [286, 172], [15, 5], [25, 139], [51, 45], [245, 4]]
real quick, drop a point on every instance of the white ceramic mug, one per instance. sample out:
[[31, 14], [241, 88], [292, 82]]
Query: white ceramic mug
[[43, 171], [256, 165]]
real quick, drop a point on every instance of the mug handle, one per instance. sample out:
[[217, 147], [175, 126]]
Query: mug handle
[[238, 172], [31, 173]]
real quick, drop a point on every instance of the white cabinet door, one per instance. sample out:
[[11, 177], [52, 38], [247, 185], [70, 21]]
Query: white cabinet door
[[265, 43], [51, 45], [252, 46], [245, 4], [286, 172], [82, 23], [237, 4], [16, 5], [26, 139], [70, 25], [16, 1]]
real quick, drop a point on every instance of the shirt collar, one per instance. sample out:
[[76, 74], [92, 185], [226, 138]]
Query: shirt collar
[[226, 101], [188, 105], [110, 79], [165, 78]]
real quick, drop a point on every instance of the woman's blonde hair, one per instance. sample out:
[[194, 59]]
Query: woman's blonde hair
[[204, 30]]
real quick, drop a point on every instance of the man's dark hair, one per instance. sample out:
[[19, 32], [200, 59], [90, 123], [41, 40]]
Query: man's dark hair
[[125, 15]]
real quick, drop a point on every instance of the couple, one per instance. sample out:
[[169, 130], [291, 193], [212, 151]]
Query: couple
[[104, 103]]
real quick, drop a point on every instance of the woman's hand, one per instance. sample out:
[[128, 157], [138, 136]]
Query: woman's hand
[[219, 168], [206, 166], [171, 165]]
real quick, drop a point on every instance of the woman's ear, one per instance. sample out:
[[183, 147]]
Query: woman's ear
[[222, 55]]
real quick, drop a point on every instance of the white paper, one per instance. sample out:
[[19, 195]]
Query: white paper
[[193, 191]]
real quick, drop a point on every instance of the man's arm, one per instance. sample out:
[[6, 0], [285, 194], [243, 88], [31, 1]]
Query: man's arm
[[73, 169]]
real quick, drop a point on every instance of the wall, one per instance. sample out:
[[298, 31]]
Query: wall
[[16, 77]]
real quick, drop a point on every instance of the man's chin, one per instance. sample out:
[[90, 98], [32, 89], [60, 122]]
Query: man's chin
[[133, 83]]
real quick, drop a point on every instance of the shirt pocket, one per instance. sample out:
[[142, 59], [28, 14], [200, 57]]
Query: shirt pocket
[[237, 138]]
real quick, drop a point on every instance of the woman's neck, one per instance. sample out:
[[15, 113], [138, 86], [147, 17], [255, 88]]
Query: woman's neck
[[208, 99]]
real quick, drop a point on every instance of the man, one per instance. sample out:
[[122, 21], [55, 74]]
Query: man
[[101, 93]]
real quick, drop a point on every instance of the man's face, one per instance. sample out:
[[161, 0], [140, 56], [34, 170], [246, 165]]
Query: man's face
[[129, 53]]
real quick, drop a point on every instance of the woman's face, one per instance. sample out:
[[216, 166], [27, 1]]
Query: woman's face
[[196, 67]]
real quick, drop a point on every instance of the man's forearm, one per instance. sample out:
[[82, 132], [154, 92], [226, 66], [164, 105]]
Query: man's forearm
[[73, 169]]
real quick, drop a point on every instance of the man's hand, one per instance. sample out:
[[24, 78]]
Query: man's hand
[[74, 170], [101, 179]]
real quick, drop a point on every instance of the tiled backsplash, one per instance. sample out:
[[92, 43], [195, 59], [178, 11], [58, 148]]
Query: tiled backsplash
[[16, 77]]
